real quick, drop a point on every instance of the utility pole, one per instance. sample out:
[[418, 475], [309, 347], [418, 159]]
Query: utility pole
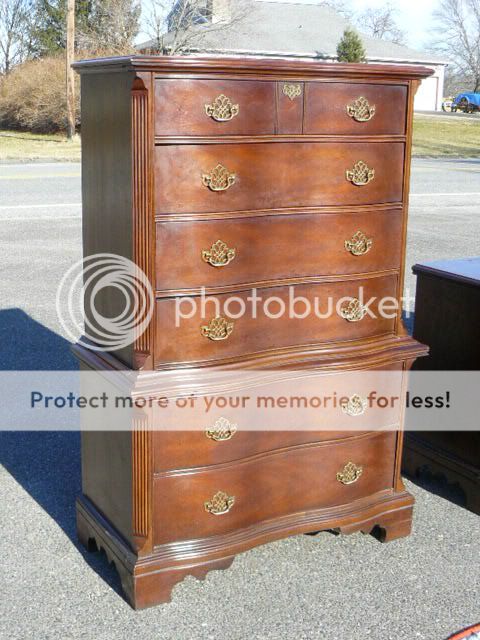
[[70, 74]]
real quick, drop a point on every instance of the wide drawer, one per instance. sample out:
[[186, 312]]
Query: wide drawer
[[354, 108], [217, 253], [214, 107], [244, 422], [259, 176], [274, 319], [221, 500]]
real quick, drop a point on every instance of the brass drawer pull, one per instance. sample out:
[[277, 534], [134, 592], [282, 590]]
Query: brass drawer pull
[[360, 110], [292, 91], [360, 175], [350, 473], [219, 254], [220, 503], [354, 311], [355, 406], [359, 245], [221, 430], [222, 109], [217, 329], [219, 179]]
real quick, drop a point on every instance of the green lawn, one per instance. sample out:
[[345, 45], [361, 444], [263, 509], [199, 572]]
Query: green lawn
[[24, 146], [446, 136]]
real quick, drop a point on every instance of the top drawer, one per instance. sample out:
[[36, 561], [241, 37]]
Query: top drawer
[[214, 107], [266, 107], [355, 108]]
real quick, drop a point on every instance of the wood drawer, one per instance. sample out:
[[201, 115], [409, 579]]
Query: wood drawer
[[274, 248], [327, 106], [185, 343], [275, 175], [260, 491], [202, 438], [181, 107]]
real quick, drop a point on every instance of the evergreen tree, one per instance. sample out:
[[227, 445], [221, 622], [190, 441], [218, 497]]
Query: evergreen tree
[[48, 30], [350, 48]]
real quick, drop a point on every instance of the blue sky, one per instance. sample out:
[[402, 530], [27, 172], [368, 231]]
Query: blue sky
[[414, 16]]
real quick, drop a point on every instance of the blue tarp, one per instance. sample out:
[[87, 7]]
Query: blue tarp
[[473, 98]]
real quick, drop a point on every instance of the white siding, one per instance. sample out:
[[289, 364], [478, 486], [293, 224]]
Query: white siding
[[430, 92]]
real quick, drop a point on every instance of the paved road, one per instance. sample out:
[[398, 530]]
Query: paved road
[[322, 587]]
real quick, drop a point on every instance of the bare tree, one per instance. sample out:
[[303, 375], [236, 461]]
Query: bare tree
[[178, 26], [340, 6], [457, 32], [14, 33], [112, 26], [381, 23]]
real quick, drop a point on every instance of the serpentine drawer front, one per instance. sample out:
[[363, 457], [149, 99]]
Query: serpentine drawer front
[[216, 253], [229, 107], [230, 433], [316, 479], [248, 177], [265, 200], [198, 338]]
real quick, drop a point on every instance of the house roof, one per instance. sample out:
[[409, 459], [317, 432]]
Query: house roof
[[301, 30]]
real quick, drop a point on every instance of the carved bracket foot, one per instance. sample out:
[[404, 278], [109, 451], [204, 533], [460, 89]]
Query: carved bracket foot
[[391, 526]]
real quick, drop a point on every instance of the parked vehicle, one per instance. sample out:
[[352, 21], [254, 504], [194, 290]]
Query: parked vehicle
[[467, 102]]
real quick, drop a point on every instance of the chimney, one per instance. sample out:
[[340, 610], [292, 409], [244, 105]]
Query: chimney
[[221, 11]]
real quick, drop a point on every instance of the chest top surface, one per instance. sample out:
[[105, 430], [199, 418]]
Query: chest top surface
[[250, 65]]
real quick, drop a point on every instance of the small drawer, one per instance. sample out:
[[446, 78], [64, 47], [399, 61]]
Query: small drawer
[[238, 325], [216, 253], [259, 176], [355, 108], [214, 107], [222, 500]]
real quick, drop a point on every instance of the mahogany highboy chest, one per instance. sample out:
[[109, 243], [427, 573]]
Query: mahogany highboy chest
[[230, 174]]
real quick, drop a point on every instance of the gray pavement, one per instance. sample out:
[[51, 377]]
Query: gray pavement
[[307, 587]]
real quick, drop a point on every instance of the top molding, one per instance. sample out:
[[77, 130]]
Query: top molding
[[282, 67]]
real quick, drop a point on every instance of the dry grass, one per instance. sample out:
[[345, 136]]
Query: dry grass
[[33, 98], [446, 136], [24, 146]]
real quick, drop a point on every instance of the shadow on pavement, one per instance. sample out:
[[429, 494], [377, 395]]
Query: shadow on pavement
[[45, 464]]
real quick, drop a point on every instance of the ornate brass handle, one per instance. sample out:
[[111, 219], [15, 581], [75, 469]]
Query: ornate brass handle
[[221, 430], [292, 91], [350, 473], [219, 179], [361, 174], [355, 406], [222, 109], [220, 503], [219, 254], [359, 245], [217, 329], [354, 311], [360, 110]]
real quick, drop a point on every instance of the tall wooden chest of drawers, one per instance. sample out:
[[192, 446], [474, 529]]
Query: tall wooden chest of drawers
[[223, 175]]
